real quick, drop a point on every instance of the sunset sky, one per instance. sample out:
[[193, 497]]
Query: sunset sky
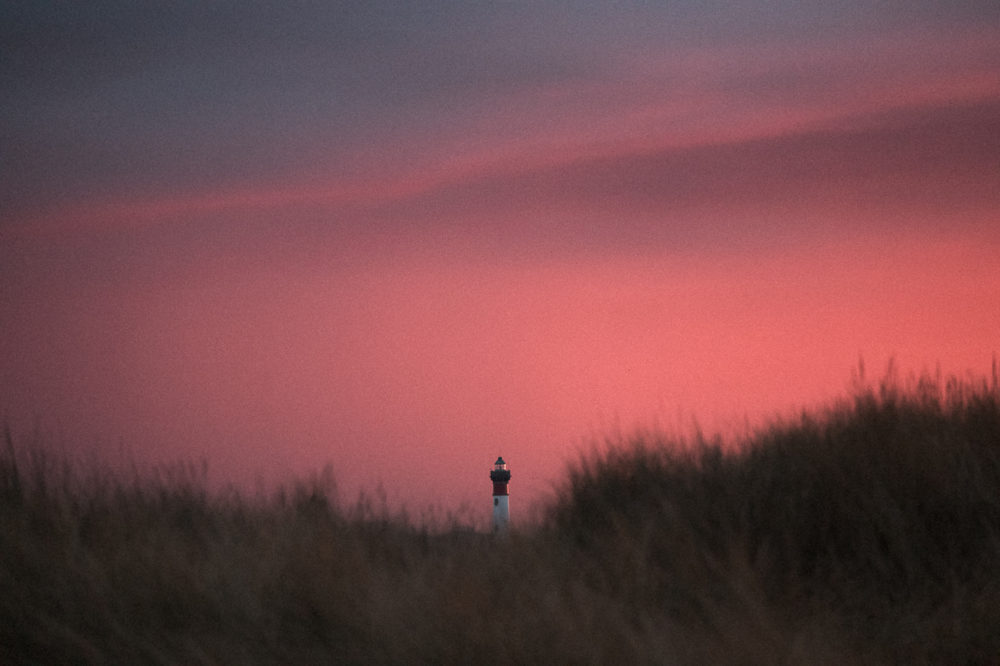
[[405, 238]]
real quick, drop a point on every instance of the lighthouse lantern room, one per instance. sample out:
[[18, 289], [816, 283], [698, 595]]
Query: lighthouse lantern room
[[500, 476]]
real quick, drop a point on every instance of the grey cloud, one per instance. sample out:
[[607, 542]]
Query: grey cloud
[[109, 96], [128, 95]]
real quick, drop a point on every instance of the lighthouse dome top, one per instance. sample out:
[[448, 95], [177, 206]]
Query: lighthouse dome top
[[500, 473]]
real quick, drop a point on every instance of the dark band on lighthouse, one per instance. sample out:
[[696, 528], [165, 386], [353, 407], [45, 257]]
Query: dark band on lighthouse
[[500, 477]]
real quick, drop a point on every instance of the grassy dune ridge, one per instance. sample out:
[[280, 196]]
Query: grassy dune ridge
[[868, 531]]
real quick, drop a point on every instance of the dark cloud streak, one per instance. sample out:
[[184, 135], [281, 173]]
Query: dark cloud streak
[[939, 161]]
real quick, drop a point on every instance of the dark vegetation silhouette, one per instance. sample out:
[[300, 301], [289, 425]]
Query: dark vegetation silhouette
[[866, 532]]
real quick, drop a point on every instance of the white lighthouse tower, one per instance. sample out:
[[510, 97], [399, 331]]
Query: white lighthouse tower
[[500, 476]]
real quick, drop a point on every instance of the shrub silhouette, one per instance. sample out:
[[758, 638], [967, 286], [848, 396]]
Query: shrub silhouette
[[866, 531]]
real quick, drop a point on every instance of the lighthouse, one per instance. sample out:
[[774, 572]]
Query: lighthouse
[[500, 476]]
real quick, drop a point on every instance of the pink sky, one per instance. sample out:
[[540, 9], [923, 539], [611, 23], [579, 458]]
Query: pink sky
[[403, 244]]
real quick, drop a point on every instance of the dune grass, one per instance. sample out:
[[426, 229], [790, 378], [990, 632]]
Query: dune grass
[[868, 532]]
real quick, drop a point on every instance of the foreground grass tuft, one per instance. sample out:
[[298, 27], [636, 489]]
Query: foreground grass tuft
[[866, 532]]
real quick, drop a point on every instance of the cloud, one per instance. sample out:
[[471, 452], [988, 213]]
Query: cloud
[[119, 118]]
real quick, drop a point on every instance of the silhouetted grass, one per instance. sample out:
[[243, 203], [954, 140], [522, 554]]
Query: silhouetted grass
[[867, 532]]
